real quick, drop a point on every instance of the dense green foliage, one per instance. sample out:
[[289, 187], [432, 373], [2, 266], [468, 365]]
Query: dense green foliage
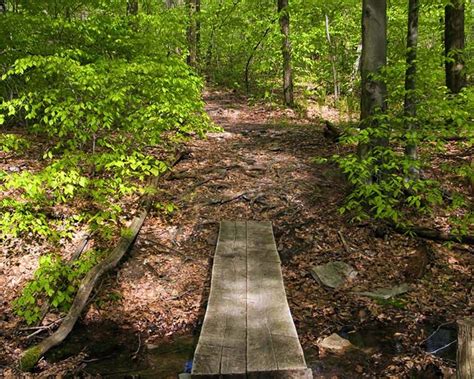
[[101, 90], [240, 48]]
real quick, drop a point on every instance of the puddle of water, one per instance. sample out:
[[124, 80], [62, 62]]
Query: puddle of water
[[442, 342], [377, 339], [112, 353], [372, 340]]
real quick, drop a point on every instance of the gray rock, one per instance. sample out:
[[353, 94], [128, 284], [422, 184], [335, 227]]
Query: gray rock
[[335, 343], [386, 293], [333, 274]]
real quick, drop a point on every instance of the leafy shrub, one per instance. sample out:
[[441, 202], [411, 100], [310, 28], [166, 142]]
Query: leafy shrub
[[55, 282]]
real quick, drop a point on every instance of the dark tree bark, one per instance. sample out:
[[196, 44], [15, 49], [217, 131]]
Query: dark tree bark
[[192, 31], [454, 45], [132, 7], [3, 6], [374, 57], [410, 79], [284, 17]]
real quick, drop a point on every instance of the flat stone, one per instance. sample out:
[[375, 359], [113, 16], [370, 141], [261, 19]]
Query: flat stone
[[386, 293], [333, 274], [335, 343], [221, 135]]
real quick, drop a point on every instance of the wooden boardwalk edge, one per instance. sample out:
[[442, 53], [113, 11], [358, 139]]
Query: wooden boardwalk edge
[[248, 330]]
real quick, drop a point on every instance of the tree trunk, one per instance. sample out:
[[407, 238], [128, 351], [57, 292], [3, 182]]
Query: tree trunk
[[3, 6], [250, 58], [465, 356], [198, 28], [374, 57], [454, 45], [333, 60], [284, 17], [132, 7], [410, 82], [192, 32]]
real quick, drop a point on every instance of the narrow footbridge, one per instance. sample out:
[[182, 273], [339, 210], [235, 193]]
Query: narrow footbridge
[[248, 331]]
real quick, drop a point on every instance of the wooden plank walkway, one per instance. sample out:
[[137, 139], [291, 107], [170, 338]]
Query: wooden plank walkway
[[248, 331]]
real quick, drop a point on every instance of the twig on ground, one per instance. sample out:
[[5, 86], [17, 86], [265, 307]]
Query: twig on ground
[[442, 348], [135, 354], [225, 201], [436, 331], [344, 243]]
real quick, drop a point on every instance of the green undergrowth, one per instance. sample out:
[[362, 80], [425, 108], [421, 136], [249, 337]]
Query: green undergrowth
[[95, 106], [54, 282], [383, 184]]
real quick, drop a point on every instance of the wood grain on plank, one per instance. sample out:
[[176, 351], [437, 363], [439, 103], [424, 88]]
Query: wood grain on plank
[[222, 344], [248, 330], [272, 341]]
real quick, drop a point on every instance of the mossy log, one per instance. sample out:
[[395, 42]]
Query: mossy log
[[31, 356], [435, 234]]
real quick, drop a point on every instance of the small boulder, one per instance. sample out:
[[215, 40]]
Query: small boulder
[[335, 343], [333, 274]]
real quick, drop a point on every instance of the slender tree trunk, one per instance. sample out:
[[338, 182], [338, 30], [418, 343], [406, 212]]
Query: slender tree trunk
[[454, 45], [465, 356], [410, 81], [198, 28], [374, 57], [192, 32], [132, 7], [286, 52], [333, 60], [250, 58]]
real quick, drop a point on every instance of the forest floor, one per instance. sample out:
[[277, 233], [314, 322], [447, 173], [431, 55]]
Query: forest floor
[[260, 168]]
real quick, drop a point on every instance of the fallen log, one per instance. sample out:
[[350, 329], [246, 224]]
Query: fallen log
[[434, 234], [32, 355]]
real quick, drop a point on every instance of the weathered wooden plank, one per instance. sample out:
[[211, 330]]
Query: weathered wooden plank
[[207, 357], [260, 352], [226, 239], [282, 374], [248, 331], [272, 341], [234, 358], [222, 345], [260, 237]]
